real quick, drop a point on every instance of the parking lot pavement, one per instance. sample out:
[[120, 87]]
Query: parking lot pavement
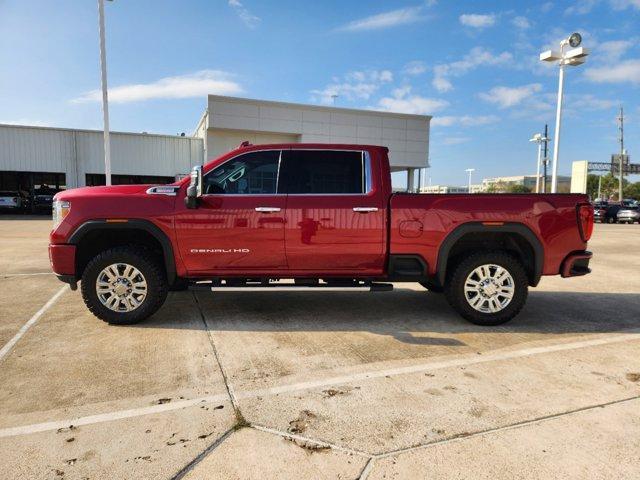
[[24, 241], [324, 385]]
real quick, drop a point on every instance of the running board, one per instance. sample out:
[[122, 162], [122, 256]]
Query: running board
[[256, 287]]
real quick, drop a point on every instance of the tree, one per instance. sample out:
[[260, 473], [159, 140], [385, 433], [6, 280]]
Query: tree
[[592, 186], [497, 187], [632, 190], [518, 188]]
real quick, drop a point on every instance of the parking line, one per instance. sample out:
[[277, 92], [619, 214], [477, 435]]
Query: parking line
[[36, 316], [631, 334], [110, 416], [8, 275]]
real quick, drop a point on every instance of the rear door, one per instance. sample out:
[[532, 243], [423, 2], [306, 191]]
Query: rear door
[[239, 223], [334, 213]]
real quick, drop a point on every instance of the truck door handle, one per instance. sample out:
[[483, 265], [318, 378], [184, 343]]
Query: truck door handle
[[365, 209], [267, 209]]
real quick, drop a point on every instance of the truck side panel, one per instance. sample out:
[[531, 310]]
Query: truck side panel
[[420, 223]]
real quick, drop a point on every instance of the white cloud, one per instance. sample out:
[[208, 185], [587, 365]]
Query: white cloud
[[475, 20], [477, 57], [26, 121], [612, 50], [547, 6], [590, 102], [414, 68], [455, 140], [393, 18], [358, 85], [581, 8], [190, 85], [506, 97], [624, 4], [464, 121], [521, 22], [622, 72], [248, 18], [402, 101]]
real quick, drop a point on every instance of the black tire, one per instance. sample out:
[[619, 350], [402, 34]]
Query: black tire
[[146, 263], [454, 287], [432, 287], [180, 285]]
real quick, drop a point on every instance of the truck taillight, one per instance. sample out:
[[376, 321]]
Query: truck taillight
[[585, 221]]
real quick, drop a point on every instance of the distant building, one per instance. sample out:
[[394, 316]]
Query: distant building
[[443, 189], [529, 181]]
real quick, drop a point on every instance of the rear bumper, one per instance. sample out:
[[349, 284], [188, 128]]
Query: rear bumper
[[576, 264]]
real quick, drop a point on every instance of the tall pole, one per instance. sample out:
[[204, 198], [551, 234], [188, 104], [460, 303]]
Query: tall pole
[[469, 171], [556, 145], [621, 126], [538, 167], [599, 187], [105, 99], [546, 157]]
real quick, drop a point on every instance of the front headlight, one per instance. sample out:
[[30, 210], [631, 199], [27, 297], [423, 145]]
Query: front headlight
[[61, 209]]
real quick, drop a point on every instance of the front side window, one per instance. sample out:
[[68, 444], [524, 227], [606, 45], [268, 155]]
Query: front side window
[[253, 173], [322, 172]]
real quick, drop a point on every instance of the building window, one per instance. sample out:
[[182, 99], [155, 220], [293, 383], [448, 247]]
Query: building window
[[96, 179]]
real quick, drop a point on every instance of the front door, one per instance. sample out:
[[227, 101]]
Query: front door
[[335, 219], [239, 224]]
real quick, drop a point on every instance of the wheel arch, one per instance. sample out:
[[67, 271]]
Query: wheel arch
[[129, 231], [516, 236]]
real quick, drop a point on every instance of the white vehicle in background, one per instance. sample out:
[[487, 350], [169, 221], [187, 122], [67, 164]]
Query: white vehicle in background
[[629, 214], [11, 201]]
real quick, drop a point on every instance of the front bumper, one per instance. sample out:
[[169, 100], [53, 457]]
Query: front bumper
[[576, 264], [63, 259]]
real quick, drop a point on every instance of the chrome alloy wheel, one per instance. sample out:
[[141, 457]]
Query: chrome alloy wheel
[[489, 288], [121, 287]]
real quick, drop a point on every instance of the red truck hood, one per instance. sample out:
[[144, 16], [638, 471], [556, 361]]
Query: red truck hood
[[86, 192]]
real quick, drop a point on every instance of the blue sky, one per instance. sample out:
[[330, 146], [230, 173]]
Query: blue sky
[[472, 65]]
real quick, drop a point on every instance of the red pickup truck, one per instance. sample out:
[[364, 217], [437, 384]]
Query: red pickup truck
[[311, 215]]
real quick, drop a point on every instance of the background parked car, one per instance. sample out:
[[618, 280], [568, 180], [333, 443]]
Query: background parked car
[[43, 198], [606, 213], [13, 201], [629, 214]]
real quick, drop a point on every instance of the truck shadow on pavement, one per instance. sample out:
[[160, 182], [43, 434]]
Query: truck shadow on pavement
[[407, 315]]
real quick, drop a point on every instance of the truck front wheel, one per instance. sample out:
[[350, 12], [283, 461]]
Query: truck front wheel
[[488, 288], [124, 285]]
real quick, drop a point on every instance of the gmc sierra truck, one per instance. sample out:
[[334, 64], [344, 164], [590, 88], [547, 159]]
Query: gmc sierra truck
[[311, 215]]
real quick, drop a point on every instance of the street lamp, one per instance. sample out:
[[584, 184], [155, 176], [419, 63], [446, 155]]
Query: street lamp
[[574, 57], [539, 139], [469, 171], [105, 99]]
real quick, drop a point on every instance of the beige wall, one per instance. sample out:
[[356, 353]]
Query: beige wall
[[232, 119], [222, 141]]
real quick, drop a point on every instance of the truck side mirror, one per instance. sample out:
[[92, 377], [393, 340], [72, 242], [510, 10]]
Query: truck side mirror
[[194, 190]]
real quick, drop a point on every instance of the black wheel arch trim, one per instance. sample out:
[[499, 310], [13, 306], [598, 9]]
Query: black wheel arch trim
[[132, 224], [477, 227]]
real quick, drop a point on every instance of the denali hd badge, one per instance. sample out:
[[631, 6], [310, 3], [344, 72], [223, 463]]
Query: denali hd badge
[[220, 250]]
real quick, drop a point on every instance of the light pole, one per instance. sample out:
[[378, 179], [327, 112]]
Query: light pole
[[469, 171], [539, 139], [105, 98], [574, 57]]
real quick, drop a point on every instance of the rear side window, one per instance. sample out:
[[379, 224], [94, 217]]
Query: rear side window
[[253, 173], [322, 172]]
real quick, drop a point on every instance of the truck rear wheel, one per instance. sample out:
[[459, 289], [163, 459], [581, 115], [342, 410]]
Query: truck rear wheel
[[488, 288], [124, 285]]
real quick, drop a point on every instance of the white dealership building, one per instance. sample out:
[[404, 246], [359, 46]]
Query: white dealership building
[[65, 158]]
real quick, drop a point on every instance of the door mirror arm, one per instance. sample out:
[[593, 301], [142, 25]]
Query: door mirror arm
[[194, 190]]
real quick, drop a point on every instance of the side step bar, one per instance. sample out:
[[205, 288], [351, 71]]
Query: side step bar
[[287, 287]]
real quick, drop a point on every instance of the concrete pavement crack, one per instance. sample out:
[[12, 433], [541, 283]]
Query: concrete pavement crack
[[187, 468], [240, 420], [524, 423]]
